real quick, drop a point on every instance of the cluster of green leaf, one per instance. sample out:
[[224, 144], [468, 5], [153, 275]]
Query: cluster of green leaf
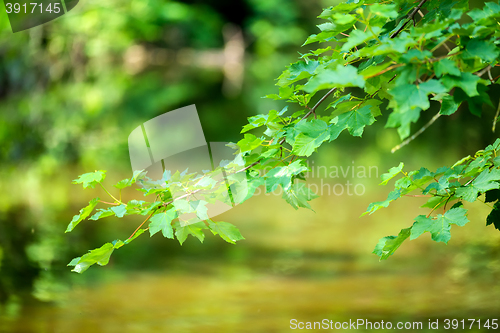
[[470, 179], [162, 213], [403, 53]]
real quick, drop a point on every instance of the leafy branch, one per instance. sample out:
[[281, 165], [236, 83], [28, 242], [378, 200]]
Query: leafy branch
[[365, 57]]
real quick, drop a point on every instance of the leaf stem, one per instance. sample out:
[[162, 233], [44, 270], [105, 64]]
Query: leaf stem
[[385, 70], [110, 203], [110, 194]]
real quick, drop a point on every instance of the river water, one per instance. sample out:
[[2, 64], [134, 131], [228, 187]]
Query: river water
[[293, 265]]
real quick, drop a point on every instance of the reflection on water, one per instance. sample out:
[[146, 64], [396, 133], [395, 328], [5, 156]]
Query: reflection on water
[[293, 265], [236, 298]]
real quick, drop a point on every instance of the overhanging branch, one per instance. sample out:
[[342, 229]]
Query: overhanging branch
[[411, 17]]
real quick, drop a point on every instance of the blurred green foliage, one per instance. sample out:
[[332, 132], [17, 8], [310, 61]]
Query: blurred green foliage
[[73, 89]]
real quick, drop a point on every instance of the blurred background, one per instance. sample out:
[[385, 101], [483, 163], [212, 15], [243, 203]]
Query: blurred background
[[73, 89]]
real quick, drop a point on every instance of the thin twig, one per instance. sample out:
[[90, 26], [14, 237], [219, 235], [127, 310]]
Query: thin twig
[[410, 18], [181, 197], [489, 76], [414, 136], [110, 203], [248, 167], [139, 227], [331, 91], [471, 180], [496, 117], [484, 70]]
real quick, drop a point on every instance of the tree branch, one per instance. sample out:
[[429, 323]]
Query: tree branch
[[410, 18]]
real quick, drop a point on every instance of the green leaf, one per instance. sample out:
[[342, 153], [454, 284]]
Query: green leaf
[[357, 119], [341, 8], [446, 66], [388, 245], [466, 81], [408, 100], [393, 172], [90, 179], [357, 37], [283, 175], [312, 134], [398, 45], [298, 71], [163, 222], [389, 11], [322, 37], [195, 206], [84, 213], [494, 216], [482, 49], [262, 119], [448, 105], [119, 210], [101, 213], [129, 182], [305, 145], [98, 256], [337, 127], [249, 143], [408, 96], [298, 195], [439, 186], [487, 180], [226, 231], [244, 187], [341, 76], [374, 206], [440, 226], [194, 229]]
